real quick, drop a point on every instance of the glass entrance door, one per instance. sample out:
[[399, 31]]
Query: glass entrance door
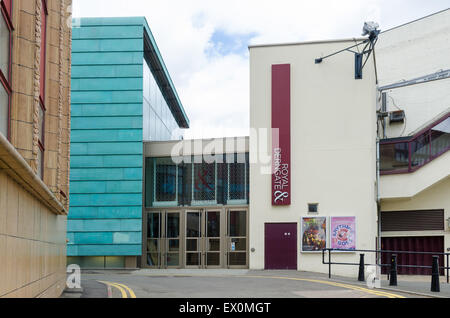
[[163, 239], [237, 239], [204, 239]]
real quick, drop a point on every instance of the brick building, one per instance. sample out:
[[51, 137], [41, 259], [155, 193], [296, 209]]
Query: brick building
[[35, 53]]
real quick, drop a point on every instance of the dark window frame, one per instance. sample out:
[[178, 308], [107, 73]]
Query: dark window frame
[[41, 141], [5, 79]]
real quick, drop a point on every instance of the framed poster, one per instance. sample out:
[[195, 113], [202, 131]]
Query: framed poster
[[343, 233], [314, 234]]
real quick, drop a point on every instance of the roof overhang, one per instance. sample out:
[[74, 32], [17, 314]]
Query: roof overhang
[[159, 69]]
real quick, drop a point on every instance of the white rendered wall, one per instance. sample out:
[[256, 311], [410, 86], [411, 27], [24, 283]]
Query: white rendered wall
[[410, 51], [333, 140]]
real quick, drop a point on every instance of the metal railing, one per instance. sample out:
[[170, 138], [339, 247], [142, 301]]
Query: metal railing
[[406, 155], [378, 258]]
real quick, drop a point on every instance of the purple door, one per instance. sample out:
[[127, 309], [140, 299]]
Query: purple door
[[281, 246]]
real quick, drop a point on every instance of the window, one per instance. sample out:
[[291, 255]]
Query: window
[[5, 65], [42, 109]]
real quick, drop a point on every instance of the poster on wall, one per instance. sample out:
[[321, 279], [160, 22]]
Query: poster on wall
[[314, 234], [343, 233]]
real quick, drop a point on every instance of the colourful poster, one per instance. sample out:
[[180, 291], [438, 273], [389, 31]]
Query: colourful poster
[[314, 234], [343, 233]]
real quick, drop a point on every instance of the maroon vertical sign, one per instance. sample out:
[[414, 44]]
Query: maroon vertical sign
[[281, 134]]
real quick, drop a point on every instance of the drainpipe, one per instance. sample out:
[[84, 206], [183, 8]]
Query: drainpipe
[[378, 210], [378, 258]]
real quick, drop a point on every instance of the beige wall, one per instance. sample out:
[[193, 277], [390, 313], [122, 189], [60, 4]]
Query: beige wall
[[333, 139], [436, 197], [416, 49], [32, 244], [33, 211], [407, 185]]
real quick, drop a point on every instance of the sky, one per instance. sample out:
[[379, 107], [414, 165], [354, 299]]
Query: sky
[[204, 43]]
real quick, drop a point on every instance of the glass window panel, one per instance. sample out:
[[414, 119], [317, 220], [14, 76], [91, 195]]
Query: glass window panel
[[165, 185], [237, 181], [238, 223], [440, 137], [192, 245], [153, 259], [153, 225], [174, 245], [238, 259], [4, 102], [204, 182], [239, 244], [4, 46], [213, 259], [41, 124], [213, 224], [193, 222], [192, 259], [173, 259], [173, 225], [153, 120], [420, 150], [394, 157], [153, 246], [214, 245]]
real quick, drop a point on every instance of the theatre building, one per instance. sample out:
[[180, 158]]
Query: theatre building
[[414, 81], [320, 190]]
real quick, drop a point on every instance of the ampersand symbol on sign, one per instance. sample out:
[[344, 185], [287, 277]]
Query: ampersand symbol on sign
[[281, 196]]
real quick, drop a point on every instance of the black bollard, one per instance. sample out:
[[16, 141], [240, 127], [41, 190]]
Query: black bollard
[[393, 273], [361, 268], [435, 275]]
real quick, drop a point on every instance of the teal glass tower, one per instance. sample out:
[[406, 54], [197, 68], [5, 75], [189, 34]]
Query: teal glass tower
[[122, 95]]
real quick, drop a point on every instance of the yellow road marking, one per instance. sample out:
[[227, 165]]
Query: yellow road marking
[[119, 287], [132, 294], [366, 290]]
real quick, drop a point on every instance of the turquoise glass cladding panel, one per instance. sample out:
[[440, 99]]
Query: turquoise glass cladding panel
[[107, 58], [85, 123], [113, 97], [104, 225], [113, 161], [106, 71], [107, 84], [107, 45], [78, 187], [107, 148], [110, 135], [106, 174], [101, 110], [105, 212], [105, 199], [108, 32], [104, 237]]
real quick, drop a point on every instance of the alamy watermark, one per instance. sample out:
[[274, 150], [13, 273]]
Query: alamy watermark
[[73, 277]]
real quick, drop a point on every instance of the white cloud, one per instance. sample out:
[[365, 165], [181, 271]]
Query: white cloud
[[214, 88]]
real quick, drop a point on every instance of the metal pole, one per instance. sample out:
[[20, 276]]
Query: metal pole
[[447, 267], [329, 264]]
